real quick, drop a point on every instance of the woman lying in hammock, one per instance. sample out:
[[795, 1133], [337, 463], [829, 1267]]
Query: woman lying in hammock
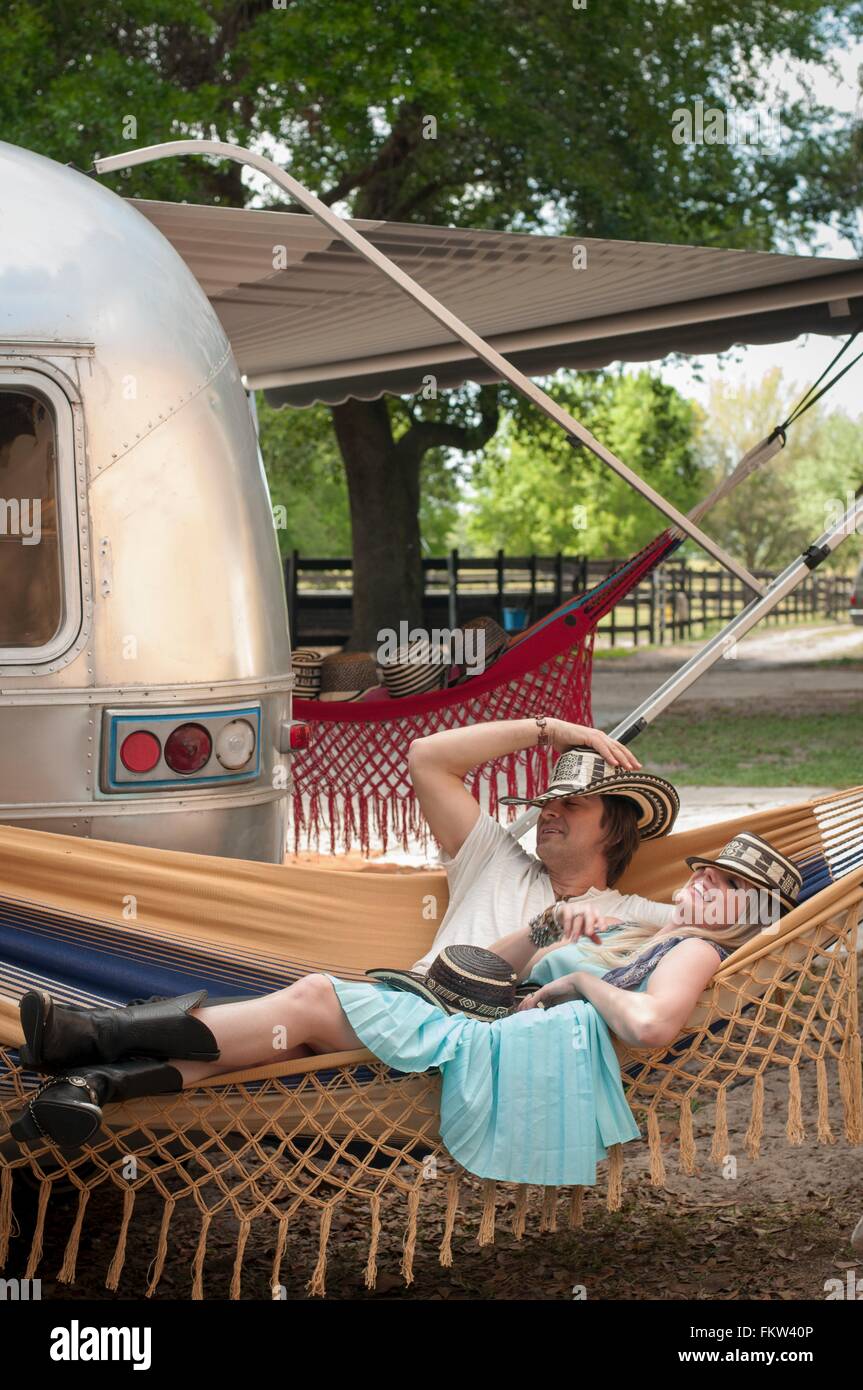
[[531, 1086]]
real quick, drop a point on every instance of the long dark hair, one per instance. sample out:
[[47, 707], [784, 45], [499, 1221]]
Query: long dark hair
[[620, 823]]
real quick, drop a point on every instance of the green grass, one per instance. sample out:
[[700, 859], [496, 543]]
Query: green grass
[[756, 750]]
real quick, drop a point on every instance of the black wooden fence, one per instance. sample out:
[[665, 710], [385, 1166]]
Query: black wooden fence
[[675, 602]]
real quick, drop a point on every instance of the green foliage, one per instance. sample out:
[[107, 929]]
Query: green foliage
[[828, 479], [545, 114], [546, 117], [532, 491], [794, 497], [307, 479]]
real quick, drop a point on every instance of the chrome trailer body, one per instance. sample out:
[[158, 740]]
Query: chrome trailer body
[[149, 595]]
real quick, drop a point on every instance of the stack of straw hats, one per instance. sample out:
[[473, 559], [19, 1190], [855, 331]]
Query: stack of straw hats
[[306, 665], [416, 668], [495, 640], [347, 675], [413, 669]]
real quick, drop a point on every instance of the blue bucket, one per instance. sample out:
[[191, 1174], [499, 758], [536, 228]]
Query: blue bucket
[[515, 619]]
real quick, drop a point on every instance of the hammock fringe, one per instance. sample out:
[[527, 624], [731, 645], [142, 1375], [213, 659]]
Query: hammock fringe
[[352, 1130]]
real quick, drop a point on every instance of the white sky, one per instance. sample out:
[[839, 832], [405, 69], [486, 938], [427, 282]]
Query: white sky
[[803, 359]]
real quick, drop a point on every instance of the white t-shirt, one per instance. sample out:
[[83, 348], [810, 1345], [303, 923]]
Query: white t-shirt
[[496, 887]]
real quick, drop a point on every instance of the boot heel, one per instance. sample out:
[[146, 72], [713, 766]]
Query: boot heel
[[24, 1130], [33, 1011]]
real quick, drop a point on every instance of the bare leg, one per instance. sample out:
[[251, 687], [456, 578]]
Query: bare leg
[[304, 1019]]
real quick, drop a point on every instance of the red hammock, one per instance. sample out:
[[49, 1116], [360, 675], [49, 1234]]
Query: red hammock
[[353, 777]]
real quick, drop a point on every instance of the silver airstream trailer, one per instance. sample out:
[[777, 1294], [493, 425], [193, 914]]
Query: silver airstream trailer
[[144, 649]]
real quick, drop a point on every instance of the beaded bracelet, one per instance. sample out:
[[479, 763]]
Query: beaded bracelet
[[543, 929]]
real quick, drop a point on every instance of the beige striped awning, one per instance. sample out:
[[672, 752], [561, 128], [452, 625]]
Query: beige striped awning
[[310, 320]]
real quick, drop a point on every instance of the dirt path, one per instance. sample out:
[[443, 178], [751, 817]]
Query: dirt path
[[765, 666]]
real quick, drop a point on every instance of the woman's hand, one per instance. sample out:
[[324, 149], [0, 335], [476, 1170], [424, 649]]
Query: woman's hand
[[562, 991], [564, 736]]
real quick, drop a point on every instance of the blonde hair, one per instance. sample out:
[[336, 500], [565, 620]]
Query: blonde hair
[[628, 942]]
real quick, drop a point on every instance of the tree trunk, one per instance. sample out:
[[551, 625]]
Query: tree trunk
[[384, 493]]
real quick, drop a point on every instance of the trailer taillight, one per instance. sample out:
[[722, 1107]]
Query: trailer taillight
[[151, 749], [235, 744], [188, 748], [299, 737], [140, 751]]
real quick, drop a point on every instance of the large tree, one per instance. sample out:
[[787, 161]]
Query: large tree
[[546, 116]]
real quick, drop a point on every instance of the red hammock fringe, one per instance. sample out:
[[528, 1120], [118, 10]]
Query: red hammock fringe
[[351, 786]]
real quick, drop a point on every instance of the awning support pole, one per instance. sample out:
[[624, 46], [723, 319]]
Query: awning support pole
[[723, 643], [472, 340]]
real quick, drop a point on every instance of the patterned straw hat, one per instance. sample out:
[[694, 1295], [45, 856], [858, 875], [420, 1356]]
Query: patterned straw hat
[[491, 643], [496, 640], [416, 668], [345, 675], [306, 665], [582, 772], [754, 860], [461, 980]]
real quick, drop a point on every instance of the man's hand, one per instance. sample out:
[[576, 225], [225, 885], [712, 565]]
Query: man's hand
[[562, 991], [564, 736], [576, 922]]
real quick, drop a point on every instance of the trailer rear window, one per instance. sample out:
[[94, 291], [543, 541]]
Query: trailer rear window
[[31, 590]]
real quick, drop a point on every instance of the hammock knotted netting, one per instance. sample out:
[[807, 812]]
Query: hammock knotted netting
[[344, 1137]]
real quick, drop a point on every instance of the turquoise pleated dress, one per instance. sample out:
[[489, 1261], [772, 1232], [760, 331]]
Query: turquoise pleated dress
[[535, 1098]]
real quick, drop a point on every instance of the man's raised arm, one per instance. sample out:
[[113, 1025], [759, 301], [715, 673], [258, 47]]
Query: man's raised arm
[[439, 764]]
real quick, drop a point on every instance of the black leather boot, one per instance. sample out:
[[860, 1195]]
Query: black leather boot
[[68, 1109], [60, 1035]]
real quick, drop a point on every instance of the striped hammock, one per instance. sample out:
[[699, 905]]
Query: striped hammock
[[96, 922], [352, 782]]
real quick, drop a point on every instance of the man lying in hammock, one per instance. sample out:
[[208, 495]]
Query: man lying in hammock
[[531, 1091], [585, 842]]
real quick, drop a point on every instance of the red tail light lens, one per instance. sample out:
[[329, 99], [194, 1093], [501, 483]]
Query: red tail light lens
[[188, 748], [140, 751], [300, 735]]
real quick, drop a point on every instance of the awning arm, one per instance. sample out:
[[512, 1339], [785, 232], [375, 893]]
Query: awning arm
[[472, 340], [723, 643]]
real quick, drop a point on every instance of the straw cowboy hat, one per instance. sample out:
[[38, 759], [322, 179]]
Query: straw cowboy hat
[[749, 857], [346, 675], [416, 668], [582, 772], [496, 640], [306, 665], [462, 980], [494, 643]]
